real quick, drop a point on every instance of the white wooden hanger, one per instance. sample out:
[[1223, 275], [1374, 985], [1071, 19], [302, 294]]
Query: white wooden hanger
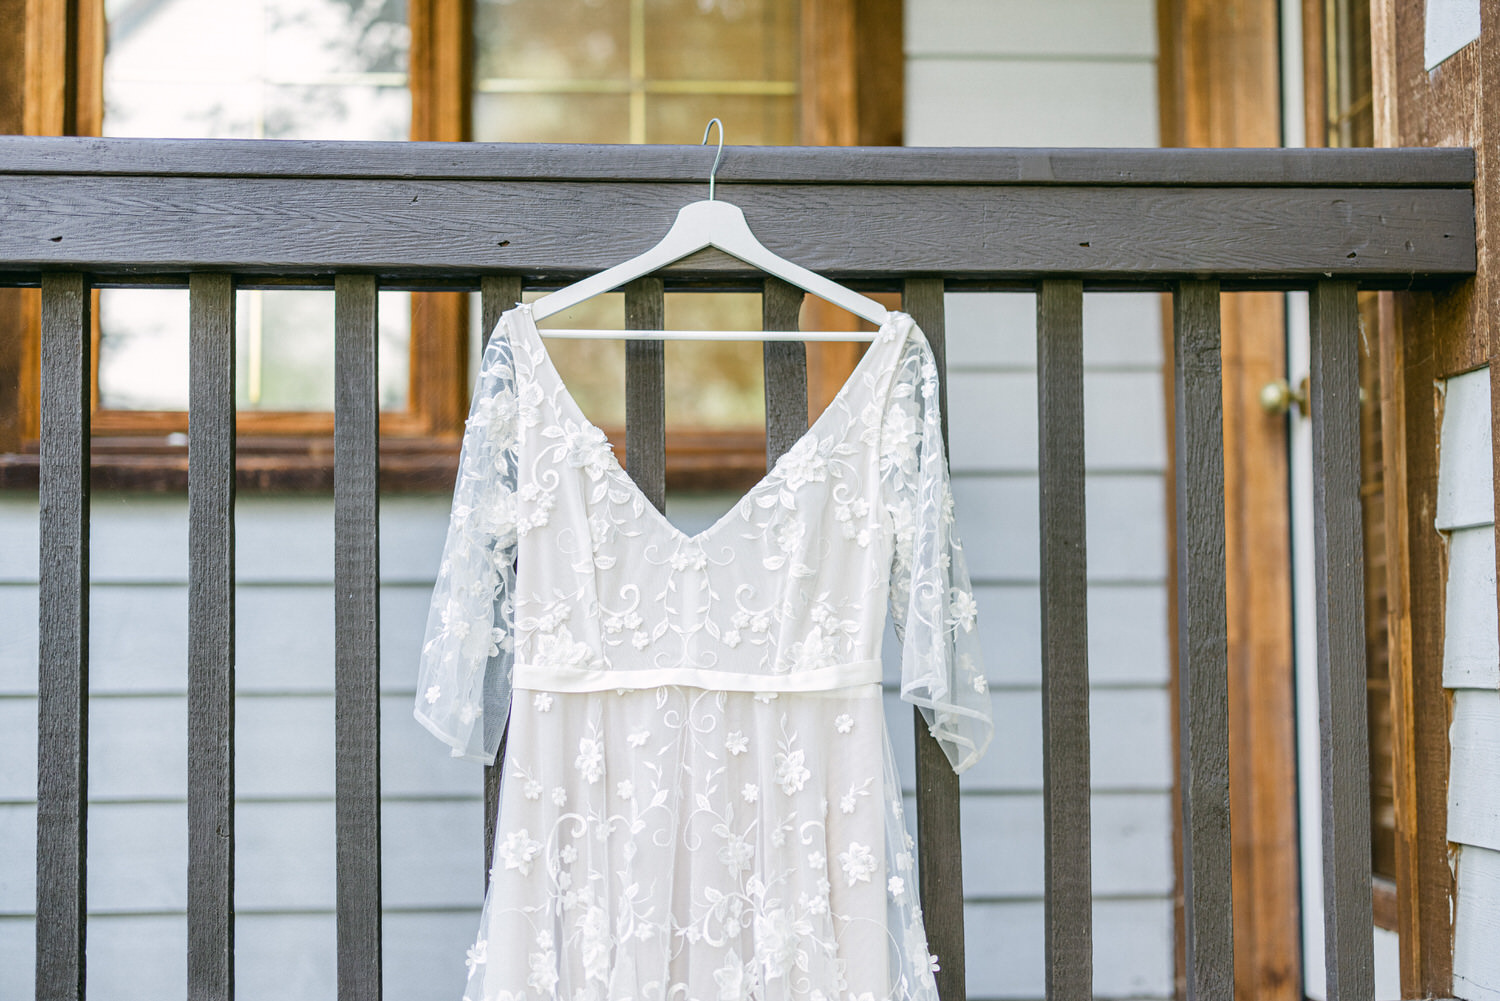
[[711, 224]]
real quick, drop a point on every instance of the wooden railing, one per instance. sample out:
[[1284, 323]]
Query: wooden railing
[[216, 216]]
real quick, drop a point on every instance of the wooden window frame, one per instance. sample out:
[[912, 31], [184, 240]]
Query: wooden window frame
[[847, 98]]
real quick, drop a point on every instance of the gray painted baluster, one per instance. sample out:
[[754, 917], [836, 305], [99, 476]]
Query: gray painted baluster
[[211, 450], [1065, 666], [497, 293], [356, 575], [1202, 657], [645, 392], [939, 856], [63, 651], [1339, 553], [785, 365]]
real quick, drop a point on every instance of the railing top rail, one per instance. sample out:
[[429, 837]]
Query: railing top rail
[[1343, 168], [149, 210]]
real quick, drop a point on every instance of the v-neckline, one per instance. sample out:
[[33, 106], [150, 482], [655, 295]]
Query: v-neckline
[[886, 334]]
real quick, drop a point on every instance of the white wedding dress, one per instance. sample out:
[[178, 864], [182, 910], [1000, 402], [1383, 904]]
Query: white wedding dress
[[699, 801]]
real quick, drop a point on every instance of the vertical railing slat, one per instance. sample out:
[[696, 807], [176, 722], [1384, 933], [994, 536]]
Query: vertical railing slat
[[63, 650], [1338, 546], [1065, 668], [497, 293], [785, 366], [1202, 643], [211, 451], [356, 529], [646, 392], [939, 855]]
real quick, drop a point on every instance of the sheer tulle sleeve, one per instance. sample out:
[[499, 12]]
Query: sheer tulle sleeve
[[932, 602], [463, 684]]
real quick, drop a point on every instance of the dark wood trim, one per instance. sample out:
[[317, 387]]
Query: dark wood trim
[[940, 881], [646, 391], [1338, 586], [1066, 790], [1202, 701], [356, 614], [63, 652], [211, 646]]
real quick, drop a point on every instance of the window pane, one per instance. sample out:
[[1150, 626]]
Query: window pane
[[143, 349], [749, 121], [563, 118], [308, 69], [552, 39], [283, 349], [279, 69], [715, 384], [684, 40], [594, 371]]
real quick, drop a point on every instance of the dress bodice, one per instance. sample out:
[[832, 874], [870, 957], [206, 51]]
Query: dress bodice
[[559, 574]]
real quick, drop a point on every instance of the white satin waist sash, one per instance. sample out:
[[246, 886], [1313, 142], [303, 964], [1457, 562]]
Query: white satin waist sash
[[573, 679]]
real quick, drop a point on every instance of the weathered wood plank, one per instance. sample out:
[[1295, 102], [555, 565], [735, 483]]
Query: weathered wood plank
[[413, 228], [1414, 589], [939, 853], [497, 293], [646, 392], [785, 370], [211, 650], [356, 574], [524, 161], [1339, 585], [63, 649], [1202, 639], [1065, 668]]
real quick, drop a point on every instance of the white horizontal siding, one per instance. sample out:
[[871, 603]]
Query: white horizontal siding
[[1474, 765], [1476, 925], [1030, 102], [1112, 29], [1132, 949], [1471, 655], [1471, 669], [1466, 491]]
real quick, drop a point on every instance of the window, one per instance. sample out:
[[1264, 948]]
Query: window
[[777, 71]]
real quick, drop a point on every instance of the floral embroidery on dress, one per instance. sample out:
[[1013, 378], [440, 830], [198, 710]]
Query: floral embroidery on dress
[[698, 719]]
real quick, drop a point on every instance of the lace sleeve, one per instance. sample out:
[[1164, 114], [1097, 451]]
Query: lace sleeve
[[463, 683], [932, 603]]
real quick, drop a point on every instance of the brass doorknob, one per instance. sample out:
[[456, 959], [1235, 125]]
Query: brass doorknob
[[1277, 397]]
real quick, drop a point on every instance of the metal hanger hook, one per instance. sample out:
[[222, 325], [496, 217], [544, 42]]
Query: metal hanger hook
[[717, 156]]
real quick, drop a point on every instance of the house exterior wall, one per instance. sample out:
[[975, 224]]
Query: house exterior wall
[[1074, 73], [1471, 672]]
